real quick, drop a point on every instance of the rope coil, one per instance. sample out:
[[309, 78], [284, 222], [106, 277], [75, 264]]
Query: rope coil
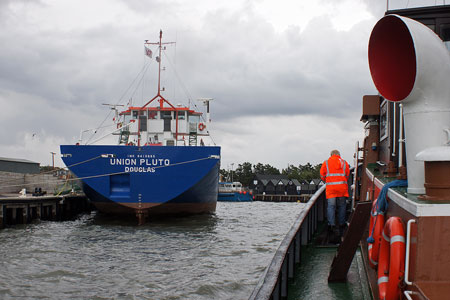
[[382, 203]]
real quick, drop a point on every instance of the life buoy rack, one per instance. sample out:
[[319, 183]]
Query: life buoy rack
[[375, 230], [391, 265], [201, 126]]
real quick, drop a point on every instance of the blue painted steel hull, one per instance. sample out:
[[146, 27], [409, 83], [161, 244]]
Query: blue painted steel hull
[[152, 180], [235, 197]]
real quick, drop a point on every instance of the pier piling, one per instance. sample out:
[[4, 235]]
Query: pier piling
[[18, 210]]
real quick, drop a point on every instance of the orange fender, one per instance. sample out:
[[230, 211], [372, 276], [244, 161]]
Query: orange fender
[[377, 220], [391, 265]]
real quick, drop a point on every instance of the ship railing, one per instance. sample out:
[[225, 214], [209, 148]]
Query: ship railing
[[273, 284], [112, 132]]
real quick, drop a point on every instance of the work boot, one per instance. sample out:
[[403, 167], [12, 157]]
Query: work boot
[[342, 230], [330, 229], [333, 235]]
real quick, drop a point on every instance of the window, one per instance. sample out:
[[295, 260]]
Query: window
[[152, 114], [445, 32], [445, 35], [135, 114], [166, 115], [142, 123], [167, 124], [181, 115]]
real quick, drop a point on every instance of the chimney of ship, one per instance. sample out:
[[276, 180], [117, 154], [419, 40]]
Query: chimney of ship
[[409, 63]]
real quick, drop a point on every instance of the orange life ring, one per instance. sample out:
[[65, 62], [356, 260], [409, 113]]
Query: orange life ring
[[377, 220], [201, 126], [391, 265]]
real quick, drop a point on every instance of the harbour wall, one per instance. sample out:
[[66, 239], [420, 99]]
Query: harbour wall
[[13, 183]]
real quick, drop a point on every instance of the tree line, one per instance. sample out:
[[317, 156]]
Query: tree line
[[246, 172]]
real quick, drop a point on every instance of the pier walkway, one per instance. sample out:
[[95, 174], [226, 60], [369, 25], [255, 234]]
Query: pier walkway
[[283, 198]]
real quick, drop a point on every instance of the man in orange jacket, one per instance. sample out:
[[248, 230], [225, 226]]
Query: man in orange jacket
[[335, 172]]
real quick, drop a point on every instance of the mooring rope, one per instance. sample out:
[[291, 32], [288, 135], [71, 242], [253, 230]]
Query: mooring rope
[[47, 172], [108, 174]]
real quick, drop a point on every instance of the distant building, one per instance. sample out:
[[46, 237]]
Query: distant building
[[293, 187], [15, 165], [315, 184], [305, 187], [274, 184]]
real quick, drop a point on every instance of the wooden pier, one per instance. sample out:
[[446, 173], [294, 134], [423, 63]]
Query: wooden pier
[[283, 198], [22, 210]]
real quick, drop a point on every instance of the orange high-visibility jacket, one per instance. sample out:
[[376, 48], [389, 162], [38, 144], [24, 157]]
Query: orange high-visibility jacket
[[335, 172]]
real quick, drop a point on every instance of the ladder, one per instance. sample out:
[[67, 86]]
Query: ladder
[[347, 249]]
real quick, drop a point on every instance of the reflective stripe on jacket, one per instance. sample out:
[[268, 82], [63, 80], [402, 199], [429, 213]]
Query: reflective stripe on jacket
[[335, 172]]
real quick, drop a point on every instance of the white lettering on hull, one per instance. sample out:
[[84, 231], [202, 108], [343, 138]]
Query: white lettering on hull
[[143, 165], [139, 170]]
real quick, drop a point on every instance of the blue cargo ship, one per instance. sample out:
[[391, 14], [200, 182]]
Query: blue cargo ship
[[161, 164]]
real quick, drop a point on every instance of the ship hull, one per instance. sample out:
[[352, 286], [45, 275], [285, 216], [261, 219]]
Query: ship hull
[[234, 197], [152, 180], [429, 240]]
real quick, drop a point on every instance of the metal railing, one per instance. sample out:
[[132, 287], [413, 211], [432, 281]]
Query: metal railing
[[273, 284]]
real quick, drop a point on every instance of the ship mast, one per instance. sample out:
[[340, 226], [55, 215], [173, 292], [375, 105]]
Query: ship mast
[[158, 59], [159, 69]]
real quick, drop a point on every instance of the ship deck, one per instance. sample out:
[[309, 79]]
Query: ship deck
[[311, 279]]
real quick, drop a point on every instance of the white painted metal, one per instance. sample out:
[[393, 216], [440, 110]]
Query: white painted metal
[[408, 250], [441, 153], [426, 109], [418, 209], [408, 295], [394, 133], [401, 139]]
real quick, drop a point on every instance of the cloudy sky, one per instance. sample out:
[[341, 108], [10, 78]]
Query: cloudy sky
[[287, 77]]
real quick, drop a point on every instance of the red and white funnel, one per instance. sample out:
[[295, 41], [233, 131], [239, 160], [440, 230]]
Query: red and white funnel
[[410, 63]]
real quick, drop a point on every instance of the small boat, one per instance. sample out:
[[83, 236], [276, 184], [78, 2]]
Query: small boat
[[160, 164], [234, 192]]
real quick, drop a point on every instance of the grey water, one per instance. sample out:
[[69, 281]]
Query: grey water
[[218, 256]]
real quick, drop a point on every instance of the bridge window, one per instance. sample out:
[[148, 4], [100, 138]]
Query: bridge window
[[142, 123], [181, 115], [167, 124], [152, 114], [166, 115]]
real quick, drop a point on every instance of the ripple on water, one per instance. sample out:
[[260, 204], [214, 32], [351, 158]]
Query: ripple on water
[[218, 256]]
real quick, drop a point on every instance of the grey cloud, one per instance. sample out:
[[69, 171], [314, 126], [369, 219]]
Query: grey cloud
[[237, 58], [253, 70]]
